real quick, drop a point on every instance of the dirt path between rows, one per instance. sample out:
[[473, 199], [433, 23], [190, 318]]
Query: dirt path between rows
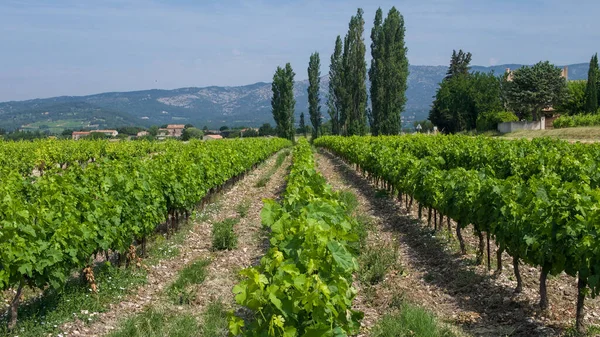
[[222, 271], [435, 276]]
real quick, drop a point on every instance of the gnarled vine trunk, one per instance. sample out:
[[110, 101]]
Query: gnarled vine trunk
[[14, 306], [461, 241], [481, 247], [580, 314], [519, 287], [543, 289]]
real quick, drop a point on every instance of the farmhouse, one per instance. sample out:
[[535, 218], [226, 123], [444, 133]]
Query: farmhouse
[[175, 130], [79, 134], [212, 137]]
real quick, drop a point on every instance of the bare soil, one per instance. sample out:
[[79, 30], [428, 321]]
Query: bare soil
[[435, 276], [224, 266]]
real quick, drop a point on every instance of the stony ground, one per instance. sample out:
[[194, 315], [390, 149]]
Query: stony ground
[[434, 275], [222, 271]]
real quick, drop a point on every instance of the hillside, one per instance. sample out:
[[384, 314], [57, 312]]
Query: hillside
[[213, 106]]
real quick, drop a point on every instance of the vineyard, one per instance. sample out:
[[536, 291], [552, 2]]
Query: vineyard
[[538, 200], [64, 203], [306, 260]]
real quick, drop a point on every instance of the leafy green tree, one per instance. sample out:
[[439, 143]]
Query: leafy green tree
[[266, 130], [335, 94], [314, 101], [224, 128], [535, 88], [67, 133], [459, 64], [426, 125], [250, 133], [191, 133], [283, 101], [97, 135], [302, 125], [153, 130], [591, 89], [353, 119], [462, 98], [574, 100]]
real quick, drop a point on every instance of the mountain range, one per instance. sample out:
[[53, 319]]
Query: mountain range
[[248, 105]]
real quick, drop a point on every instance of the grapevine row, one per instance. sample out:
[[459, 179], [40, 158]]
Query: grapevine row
[[303, 284], [548, 217], [54, 223]]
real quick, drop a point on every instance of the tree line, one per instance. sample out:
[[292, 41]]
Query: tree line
[[468, 100], [347, 99]]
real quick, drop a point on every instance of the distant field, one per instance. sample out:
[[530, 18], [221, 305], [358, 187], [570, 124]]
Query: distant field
[[583, 134], [56, 126]]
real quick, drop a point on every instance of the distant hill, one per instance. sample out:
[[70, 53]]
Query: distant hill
[[212, 106]]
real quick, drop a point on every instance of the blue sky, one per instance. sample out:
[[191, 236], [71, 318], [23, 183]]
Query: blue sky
[[75, 47]]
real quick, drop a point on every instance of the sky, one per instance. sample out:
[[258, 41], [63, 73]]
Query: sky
[[74, 47]]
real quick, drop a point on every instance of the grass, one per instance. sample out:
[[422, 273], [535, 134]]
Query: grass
[[410, 320], [223, 235], [262, 182], [243, 207], [349, 199], [214, 321], [195, 273], [157, 322], [578, 133], [375, 261], [43, 315]]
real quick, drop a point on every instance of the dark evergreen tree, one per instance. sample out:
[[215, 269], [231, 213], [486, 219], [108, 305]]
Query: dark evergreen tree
[[533, 89], [334, 98], [283, 102], [353, 117], [314, 101], [591, 89], [376, 75], [302, 124], [459, 63]]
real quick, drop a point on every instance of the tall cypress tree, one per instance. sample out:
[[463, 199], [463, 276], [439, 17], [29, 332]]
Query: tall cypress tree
[[591, 89], [314, 101], [376, 73], [459, 64], [353, 115], [334, 98], [395, 73], [283, 102]]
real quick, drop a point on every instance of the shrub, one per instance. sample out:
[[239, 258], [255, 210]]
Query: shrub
[[577, 120], [489, 120], [223, 236]]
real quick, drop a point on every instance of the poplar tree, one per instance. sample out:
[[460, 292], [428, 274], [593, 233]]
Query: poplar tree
[[376, 74], [334, 98], [395, 73], [353, 117], [314, 101], [283, 102], [591, 89]]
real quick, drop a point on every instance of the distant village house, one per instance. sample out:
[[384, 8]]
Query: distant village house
[[212, 137], [175, 130], [76, 135]]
